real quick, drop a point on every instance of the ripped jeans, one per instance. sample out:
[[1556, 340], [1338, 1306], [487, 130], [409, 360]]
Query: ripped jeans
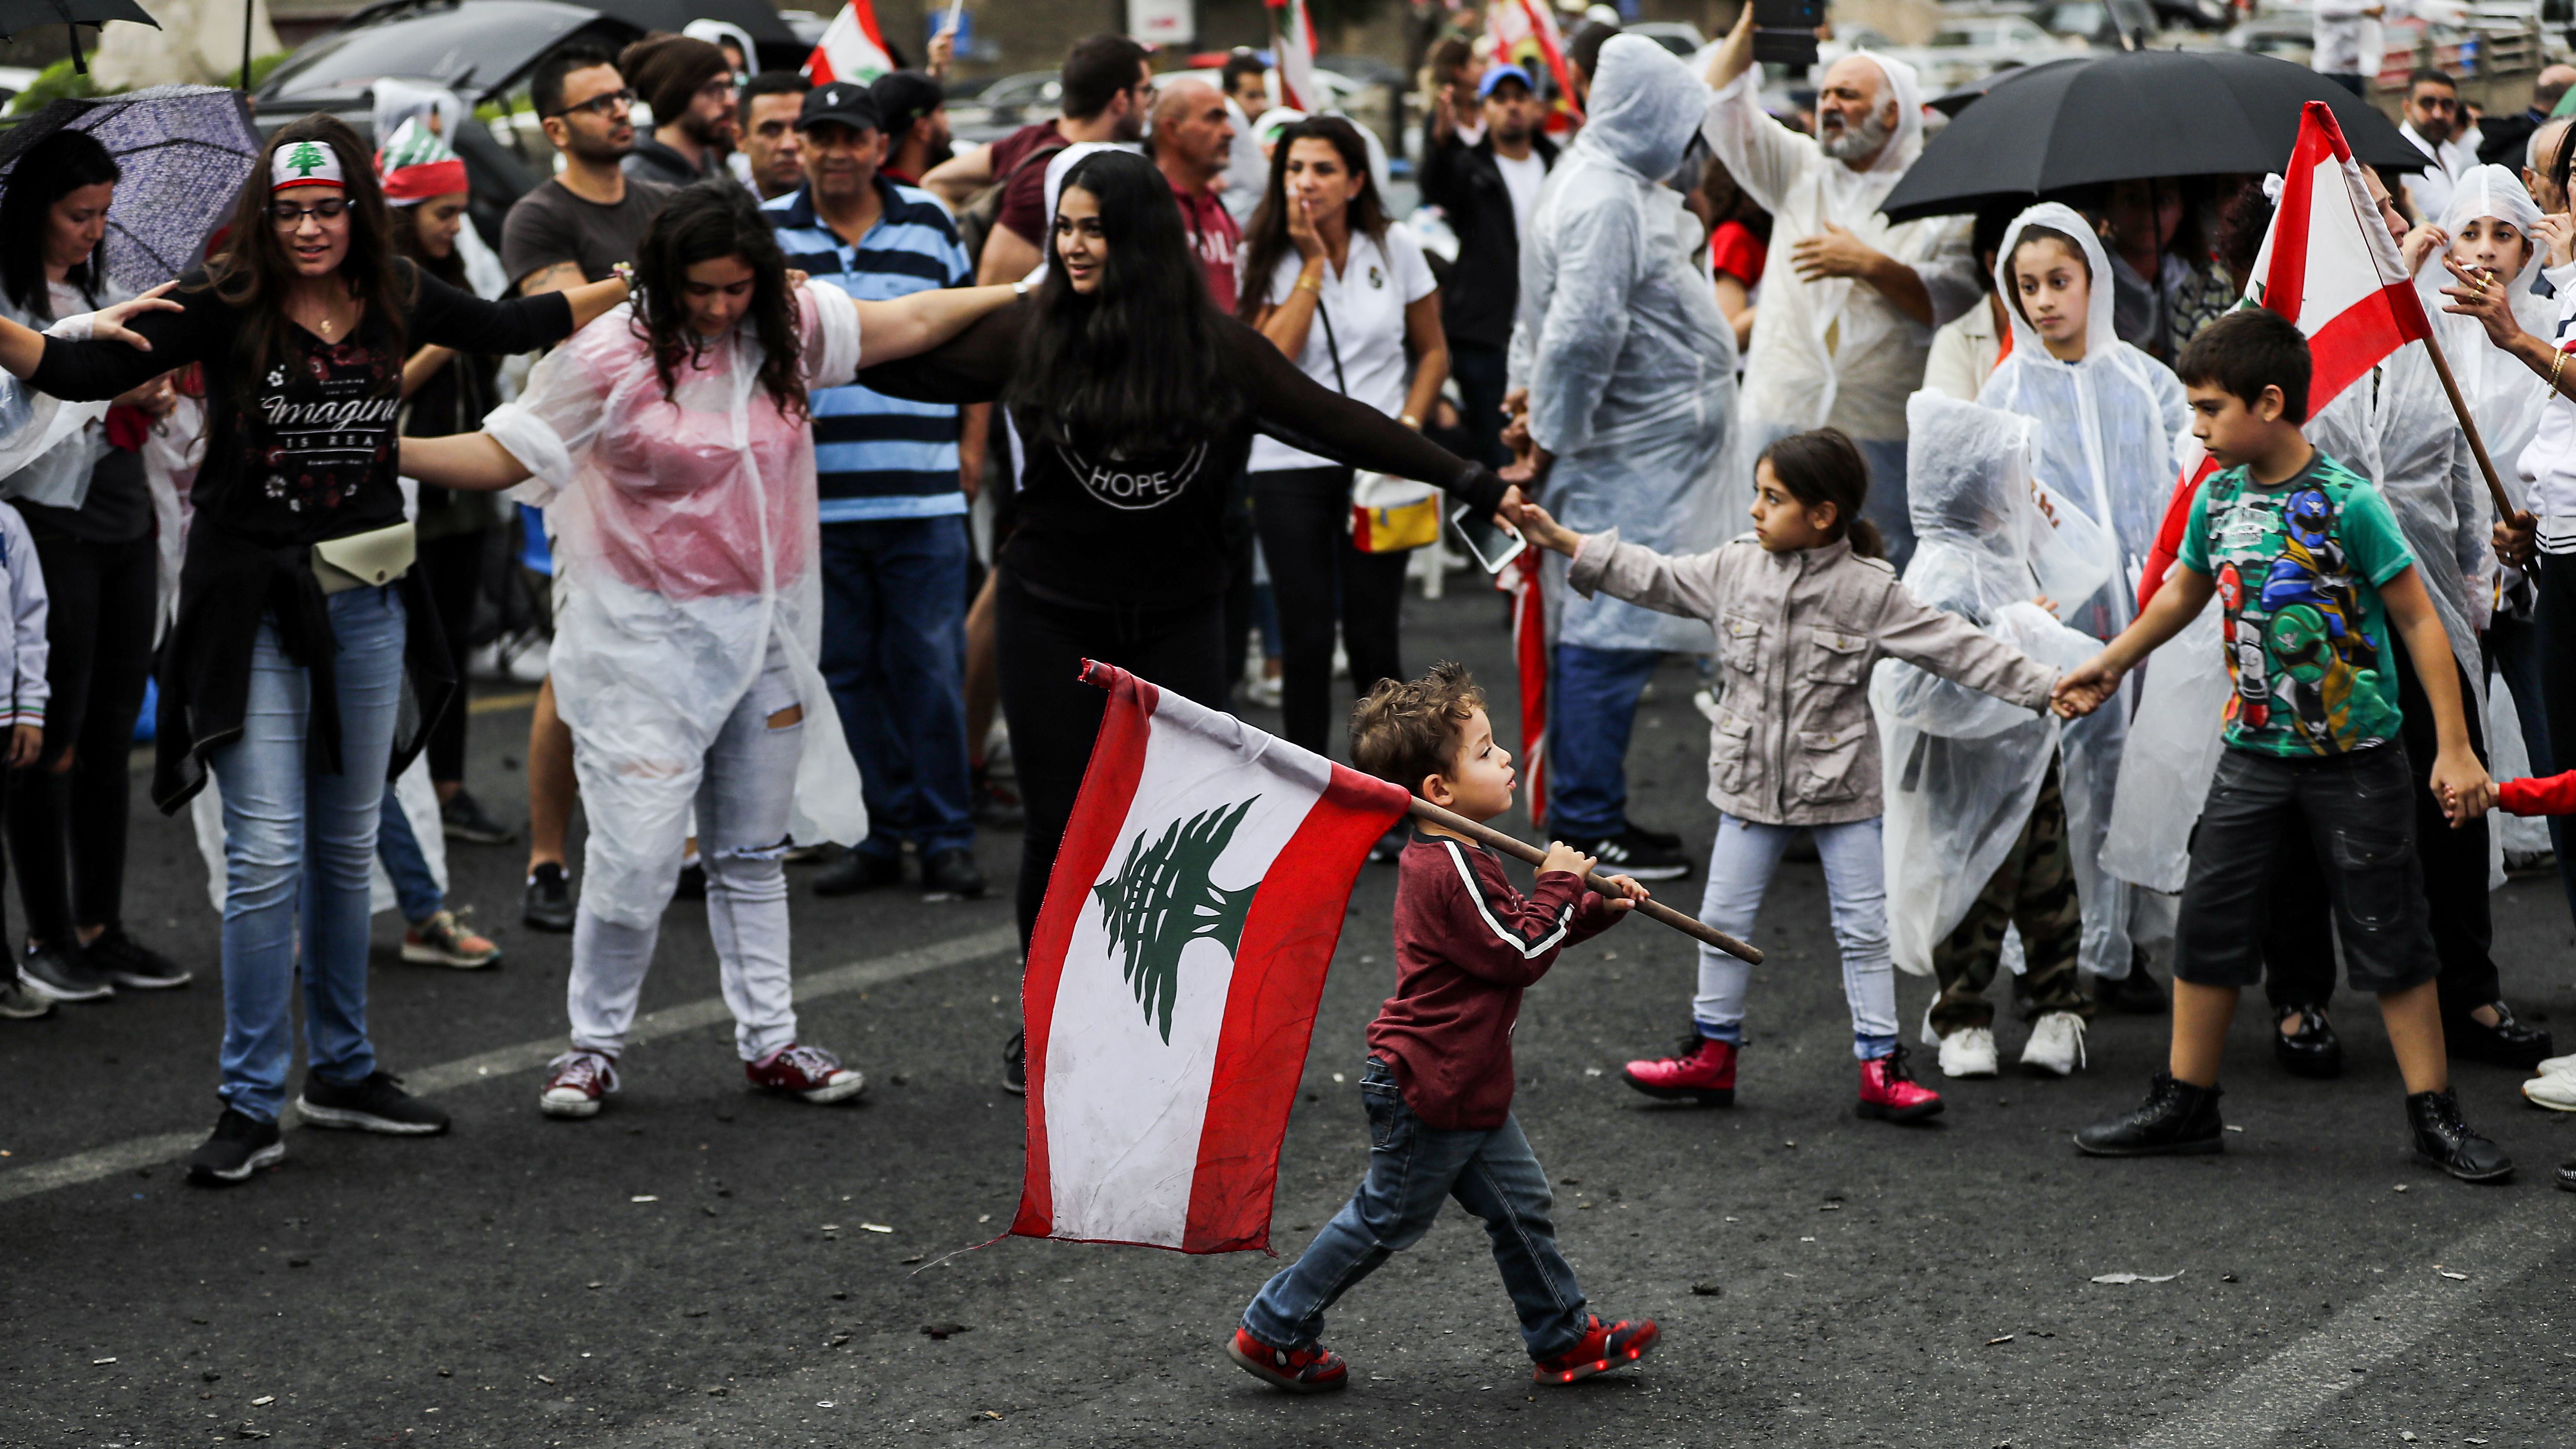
[[745, 794]]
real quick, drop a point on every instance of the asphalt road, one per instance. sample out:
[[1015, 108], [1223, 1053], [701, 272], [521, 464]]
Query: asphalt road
[[697, 1265]]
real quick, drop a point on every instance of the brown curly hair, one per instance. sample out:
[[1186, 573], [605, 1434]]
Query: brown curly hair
[[1406, 731]]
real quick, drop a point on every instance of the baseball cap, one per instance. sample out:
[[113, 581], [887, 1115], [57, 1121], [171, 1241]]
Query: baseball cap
[[842, 103], [905, 96], [1501, 73]]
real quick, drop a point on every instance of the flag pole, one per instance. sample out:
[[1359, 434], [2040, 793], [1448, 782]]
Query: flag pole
[[2469, 425], [1519, 849]]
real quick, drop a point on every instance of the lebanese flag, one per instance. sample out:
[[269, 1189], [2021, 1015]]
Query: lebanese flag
[[2329, 264], [1174, 974], [1515, 23], [1529, 653], [852, 48], [1292, 43]]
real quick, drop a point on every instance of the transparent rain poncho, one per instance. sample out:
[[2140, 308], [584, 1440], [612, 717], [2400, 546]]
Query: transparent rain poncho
[[2103, 432], [685, 544], [1964, 768], [1629, 363]]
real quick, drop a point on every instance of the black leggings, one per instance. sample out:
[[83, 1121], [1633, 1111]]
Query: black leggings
[[67, 828], [1315, 574], [1039, 646], [453, 568]]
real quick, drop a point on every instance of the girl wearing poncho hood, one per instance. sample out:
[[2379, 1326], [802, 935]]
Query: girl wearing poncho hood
[[1976, 833], [669, 443], [2104, 420]]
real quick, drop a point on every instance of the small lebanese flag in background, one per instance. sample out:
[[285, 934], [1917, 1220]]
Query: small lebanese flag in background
[[1174, 974], [1293, 43], [852, 48], [2329, 264]]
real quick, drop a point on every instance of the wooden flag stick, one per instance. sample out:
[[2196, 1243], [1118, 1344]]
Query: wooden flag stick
[[1518, 849], [2469, 425]]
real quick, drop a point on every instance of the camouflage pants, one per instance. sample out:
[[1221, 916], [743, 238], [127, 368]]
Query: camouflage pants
[[2033, 888]]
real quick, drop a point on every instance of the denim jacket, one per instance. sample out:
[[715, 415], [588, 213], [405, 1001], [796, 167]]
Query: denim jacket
[[1793, 742]]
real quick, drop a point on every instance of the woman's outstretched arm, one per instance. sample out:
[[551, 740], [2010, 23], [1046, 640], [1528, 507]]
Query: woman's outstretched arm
[[475, 462], [908, 326]]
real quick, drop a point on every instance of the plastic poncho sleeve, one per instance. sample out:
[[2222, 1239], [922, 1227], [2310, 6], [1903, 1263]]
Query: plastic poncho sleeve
[[1690, 586], [558, 415], [1955, 649], [1576, 351], [1765, 157], [2473, 538], [1910, 695], [831, 334]]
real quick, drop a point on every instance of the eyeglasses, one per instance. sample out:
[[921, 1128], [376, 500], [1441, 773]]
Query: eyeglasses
[[287, 216], [722, 88], [602, 106]]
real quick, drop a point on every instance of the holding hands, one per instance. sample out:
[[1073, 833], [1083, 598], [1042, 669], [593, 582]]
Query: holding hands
[[1536, 526], [2081, 690]]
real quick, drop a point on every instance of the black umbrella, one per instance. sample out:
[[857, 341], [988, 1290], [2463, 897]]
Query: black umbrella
[[18, 15], [2125, 115], [183, 153]]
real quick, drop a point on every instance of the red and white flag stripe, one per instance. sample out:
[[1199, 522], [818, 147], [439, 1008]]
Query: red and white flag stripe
[[1175, 970], [852, 48], [2329, 264]]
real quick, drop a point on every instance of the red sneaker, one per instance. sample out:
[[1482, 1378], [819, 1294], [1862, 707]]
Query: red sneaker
[[809, 1073], [1603, 1347], [1699, 1070], [575, 1082], [1313, 1369], [1889, 1092]]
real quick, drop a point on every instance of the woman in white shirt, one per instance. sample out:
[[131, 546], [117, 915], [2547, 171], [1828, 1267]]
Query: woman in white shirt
[[1347, 296]]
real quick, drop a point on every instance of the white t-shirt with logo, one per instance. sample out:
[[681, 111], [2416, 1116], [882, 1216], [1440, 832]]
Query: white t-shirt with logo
[[1367, 302], [1522, 178]]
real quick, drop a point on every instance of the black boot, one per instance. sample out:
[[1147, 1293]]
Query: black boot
[[2450, 1144], [2313, 1050], [2135, 994], [2176, 1119], [2508, 1043]]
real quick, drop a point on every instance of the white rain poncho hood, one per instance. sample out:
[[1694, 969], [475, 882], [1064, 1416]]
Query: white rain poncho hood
[[1964, 768], [1834, 350], [1629, 363], [2505, 397], [2103, 430], [685, 547]]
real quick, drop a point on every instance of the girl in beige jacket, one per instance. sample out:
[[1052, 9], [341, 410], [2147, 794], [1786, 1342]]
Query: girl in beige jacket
[[1802, 607]]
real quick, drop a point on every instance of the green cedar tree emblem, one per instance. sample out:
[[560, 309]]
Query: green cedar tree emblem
[[306, 159], [1161, 900]]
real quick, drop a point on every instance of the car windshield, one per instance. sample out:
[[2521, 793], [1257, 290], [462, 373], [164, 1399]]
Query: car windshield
[[447, 46]]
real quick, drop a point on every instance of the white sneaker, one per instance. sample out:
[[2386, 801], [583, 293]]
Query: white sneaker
[[2556, 1091], [2556, 1067], [1968, 1052], [1931, 1038], [2056, 1045]]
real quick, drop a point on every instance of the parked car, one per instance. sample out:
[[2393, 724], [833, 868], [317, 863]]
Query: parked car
[[1678, 36]]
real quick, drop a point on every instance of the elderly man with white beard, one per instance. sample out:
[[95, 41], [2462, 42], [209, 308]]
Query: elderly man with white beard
[[1844, 329]]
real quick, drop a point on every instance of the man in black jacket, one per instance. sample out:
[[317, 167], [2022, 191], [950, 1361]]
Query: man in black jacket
[[1485, 175]]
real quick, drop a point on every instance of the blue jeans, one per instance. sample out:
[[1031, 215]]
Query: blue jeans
[[894, 654], [2513, 649], [1591, 712], [1412, 1170], [415, 889], [297, 842], [1741, 862]]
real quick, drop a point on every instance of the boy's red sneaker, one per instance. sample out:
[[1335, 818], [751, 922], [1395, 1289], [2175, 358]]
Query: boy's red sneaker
[[1699, 1070], [1888, 1091], [1313, 1369], [1603, 1347]]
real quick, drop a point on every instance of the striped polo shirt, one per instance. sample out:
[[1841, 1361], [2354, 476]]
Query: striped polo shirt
[[879, 457]]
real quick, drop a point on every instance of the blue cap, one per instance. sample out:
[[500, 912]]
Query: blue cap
[[1498, 74]]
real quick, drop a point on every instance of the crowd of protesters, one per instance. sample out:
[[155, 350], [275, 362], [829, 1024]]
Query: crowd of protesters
[[844, 444]]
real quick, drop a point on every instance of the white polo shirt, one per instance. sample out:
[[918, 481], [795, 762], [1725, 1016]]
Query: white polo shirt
[[1366, 302]]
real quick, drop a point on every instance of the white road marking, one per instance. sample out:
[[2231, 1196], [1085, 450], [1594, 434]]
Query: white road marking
[[121, 1157], [2290, 1388]]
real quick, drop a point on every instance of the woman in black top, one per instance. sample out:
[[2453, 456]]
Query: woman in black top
[[295, 696], [89, 512], [1134, 401]]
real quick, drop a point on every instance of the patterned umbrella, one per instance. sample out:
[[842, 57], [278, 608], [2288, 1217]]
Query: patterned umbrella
[[184, 151]]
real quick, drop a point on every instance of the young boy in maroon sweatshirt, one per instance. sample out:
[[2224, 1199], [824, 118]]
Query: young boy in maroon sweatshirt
[[1438, 1084]]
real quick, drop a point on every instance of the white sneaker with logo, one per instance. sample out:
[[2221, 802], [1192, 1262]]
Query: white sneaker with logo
[[2556, 1091], [1968, 1052], [2056, 1045]]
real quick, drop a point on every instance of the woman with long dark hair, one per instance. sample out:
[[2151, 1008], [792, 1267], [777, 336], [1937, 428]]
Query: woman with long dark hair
[[1347, 296], [89, 511], [305, 660], [670, 445], [1133, 401]]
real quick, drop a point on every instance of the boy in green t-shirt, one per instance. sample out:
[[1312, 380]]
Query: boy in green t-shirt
[[2313, 577]]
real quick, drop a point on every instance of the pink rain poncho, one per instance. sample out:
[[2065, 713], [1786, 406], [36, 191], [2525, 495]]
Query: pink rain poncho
[[685, 537]]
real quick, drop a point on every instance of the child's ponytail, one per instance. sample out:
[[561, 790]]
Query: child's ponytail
[[1826, 466]]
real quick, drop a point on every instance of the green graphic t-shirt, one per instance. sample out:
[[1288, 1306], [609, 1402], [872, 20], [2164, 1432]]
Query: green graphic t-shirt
[[2298, 569]]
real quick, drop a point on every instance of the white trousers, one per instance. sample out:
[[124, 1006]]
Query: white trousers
[[746, 789]]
